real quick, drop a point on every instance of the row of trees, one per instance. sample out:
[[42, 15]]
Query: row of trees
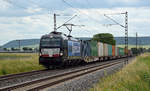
[[22, 49], [139, 50], [109, 39], [105, 38]]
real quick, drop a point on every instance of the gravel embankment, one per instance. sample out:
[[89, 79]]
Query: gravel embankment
[[84, 83]]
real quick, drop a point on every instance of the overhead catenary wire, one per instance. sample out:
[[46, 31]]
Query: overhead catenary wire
[[90, 5], [79, 11], [76, 9], [113, 21], [116, 23], [66, 22], [22, 7], [19, 6], [90, 16]]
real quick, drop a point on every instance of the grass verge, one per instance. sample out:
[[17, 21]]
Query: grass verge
[[134, 77], [11, 63]]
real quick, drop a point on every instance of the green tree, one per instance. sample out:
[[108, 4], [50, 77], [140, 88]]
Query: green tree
[[25, 48], [5, 49], [13, 49], [30, 49], [105, 38]]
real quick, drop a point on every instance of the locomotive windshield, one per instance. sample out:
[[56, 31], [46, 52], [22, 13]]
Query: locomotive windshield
[[50, 42]]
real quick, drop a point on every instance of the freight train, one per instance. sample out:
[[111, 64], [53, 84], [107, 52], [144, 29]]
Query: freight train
[[57, 49]]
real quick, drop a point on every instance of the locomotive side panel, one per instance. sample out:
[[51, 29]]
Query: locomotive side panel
[[74, 49]]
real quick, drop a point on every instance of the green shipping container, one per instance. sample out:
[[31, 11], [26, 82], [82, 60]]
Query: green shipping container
[[94, 48], [116, 51], [121, 51], [109, 50]]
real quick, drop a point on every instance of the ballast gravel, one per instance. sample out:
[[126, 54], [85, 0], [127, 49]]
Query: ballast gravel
[[84, 83]]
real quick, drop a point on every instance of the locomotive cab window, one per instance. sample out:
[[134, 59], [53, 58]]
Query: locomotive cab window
[[50, 42]]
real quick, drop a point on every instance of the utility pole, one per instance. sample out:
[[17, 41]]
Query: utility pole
[[65, 24], [19, 44], [126, 33], [55, 22], [55, 26], [124, 26], [136, 43]]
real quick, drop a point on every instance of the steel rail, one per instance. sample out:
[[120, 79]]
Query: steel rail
[[13, 76]]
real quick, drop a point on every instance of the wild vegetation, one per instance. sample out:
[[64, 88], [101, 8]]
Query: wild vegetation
[[11, 63], [134, 77]]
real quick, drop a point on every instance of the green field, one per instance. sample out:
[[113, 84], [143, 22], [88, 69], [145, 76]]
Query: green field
[[11, 63], [134, 77], [134, 46]]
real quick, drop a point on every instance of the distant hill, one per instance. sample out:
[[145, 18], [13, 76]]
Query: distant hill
[[35, 42], [132, 40], [24, 42]]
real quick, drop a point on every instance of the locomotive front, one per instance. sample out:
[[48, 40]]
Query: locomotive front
[[50, 49]]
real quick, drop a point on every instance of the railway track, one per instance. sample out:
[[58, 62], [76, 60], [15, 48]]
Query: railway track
[[48, 81], [13, 76]]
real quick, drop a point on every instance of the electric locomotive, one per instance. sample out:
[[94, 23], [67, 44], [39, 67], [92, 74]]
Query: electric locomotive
[[57, 49]]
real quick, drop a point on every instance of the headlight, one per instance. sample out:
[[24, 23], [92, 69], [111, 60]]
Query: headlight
[[61, 54]]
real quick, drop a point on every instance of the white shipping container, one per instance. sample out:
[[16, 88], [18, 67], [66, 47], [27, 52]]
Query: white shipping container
[[100, 49], [105, 49], [116, 51]]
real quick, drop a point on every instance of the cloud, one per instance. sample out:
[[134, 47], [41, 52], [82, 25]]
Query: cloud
[[20, 8], [124, 1], [34, 20], [139, 19], [33, 10]]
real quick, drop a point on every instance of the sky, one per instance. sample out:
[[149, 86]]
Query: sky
[[26, 19]]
